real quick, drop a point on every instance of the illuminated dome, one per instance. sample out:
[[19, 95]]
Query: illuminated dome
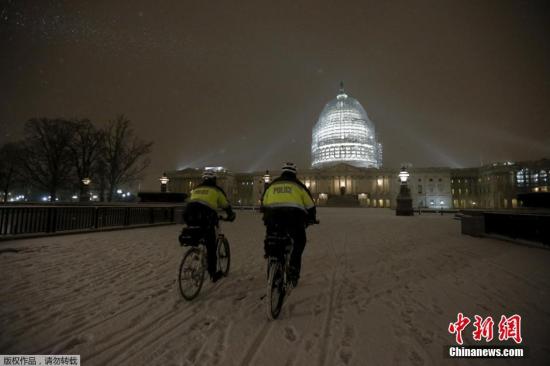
[[345, 134]]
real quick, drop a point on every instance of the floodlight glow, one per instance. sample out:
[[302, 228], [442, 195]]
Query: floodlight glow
[[345, 134]]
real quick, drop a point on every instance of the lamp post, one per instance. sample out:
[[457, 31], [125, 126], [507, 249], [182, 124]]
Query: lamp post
[[404, 200], [267, 179], [85, 191], [164, 182]]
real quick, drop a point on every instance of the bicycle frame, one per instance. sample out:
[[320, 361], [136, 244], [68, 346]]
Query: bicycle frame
[[278, 248]]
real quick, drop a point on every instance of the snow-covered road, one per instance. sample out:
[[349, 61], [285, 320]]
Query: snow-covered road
[[375, 289]]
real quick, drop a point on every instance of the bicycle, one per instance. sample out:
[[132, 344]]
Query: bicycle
[[278, 248], [193, 266]]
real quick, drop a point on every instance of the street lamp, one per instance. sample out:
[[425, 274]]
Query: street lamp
[[267, 179], [404, 200], [164, 182], [85, 189], [404, 176]]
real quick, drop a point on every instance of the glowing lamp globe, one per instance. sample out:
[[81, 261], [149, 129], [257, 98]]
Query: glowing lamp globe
[[266, 177], [164, 179], [403, 175]]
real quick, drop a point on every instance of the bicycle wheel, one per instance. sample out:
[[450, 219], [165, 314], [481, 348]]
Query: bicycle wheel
[[275, 290], [224, 256], [191, 274]]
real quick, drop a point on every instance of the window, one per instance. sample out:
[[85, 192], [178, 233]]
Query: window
[[420, 188]]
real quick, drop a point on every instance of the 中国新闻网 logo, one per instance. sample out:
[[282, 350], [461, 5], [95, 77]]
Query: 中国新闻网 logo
[[508, 328]]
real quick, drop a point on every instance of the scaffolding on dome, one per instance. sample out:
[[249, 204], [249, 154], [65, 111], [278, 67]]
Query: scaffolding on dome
[[345, 134]]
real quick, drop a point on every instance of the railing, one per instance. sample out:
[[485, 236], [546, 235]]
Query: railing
[[522, 224], [526, 226], [21, 220]]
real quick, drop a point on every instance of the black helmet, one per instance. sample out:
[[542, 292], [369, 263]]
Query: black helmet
[[289, 167], [209, 175]]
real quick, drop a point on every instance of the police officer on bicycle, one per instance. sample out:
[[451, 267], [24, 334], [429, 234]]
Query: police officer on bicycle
[[202, 210], [287, 205]]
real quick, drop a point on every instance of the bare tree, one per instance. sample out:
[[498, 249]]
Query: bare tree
[[86, 148], [125, 155], [47, 159], [10, 163]]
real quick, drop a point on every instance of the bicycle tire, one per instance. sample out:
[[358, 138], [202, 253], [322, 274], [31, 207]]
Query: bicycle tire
[[196, 271], [224, 256], [275, 290]]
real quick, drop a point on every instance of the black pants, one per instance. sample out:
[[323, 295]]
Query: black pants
[[197, 214], [211, 249], [292, 221]]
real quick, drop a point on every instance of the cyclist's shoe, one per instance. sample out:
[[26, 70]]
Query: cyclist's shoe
[[216, 276], [293, 276]]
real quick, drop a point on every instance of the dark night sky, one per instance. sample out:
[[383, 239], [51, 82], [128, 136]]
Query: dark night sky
[[241, 84]]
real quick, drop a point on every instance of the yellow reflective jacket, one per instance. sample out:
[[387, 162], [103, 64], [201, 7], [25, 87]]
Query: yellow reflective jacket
[[210, 196], [284, 193]]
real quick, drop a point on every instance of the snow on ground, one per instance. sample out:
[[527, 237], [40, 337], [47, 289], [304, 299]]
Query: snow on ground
[[375, 289]]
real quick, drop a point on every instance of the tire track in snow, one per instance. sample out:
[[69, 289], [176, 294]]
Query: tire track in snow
[[256, 344], [136, 334], [328, 320]]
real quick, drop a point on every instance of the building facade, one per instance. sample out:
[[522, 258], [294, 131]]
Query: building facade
[[494, 186], [497, 185]]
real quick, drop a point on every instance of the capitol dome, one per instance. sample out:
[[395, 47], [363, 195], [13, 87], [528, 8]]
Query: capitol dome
[[345, 134]]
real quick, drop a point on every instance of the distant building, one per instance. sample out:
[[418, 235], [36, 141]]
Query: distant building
[[346, 170], [345, 134], [491, 186], [497, 185]]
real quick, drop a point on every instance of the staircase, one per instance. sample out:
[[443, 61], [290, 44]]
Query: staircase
[[345, 200]]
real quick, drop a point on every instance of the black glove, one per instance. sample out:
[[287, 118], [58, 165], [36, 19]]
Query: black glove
[[231, 216]]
